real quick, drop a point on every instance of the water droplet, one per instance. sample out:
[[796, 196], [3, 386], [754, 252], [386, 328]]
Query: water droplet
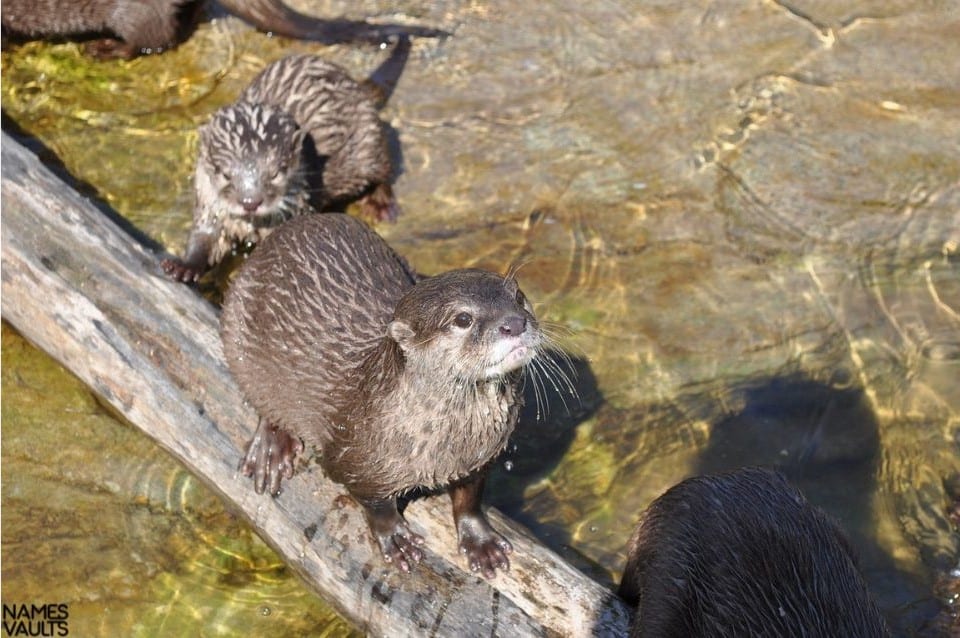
[[265, 611]]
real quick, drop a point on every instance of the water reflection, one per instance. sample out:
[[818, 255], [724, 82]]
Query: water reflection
[[827, 442], [97, 517]]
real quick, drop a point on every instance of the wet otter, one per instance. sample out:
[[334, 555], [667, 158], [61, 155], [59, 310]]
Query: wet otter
[[402, 384], [302, 134], [744, 554], [149, 26]]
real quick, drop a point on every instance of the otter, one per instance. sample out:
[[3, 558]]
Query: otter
[[302, 136], [151, 26], [744, 554], [402, 383]]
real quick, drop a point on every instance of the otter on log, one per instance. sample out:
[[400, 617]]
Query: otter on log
[[150, 26], [402, 384], [744, 555], [302, 136]]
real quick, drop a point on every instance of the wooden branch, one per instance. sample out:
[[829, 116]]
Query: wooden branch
[[88, 294]]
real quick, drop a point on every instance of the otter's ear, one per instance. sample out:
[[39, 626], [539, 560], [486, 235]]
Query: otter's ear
[[401, 332]]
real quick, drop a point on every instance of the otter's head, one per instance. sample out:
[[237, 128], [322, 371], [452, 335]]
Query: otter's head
[[251, 154], [470, 323]]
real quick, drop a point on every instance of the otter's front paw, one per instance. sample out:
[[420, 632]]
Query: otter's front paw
[[181, 271], [380, 205], [400, 546], [485, 549], [270, 456]]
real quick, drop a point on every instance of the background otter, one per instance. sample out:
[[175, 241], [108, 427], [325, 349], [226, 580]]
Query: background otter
[[403, 386], [149, 26], [302, 134], [744, 554]]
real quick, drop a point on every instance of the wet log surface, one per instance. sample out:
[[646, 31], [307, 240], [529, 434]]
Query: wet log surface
[[89, 294]]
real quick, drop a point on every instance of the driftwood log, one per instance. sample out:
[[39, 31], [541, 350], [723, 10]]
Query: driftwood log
[[90, 295]]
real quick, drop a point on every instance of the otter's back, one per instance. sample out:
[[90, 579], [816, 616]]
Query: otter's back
[[743, 554], [340, 116], [320, 96], [303, 312]]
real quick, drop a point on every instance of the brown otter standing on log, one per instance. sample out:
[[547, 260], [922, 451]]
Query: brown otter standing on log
[[150, 26], [744, 555], [303, 131], [403, 385]]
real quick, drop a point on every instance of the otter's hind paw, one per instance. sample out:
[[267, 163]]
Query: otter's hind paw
[[401, 547], [485, 549]]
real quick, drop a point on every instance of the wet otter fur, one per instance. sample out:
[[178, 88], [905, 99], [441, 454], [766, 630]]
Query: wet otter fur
[[402, 384], [302, 136], [744, 554], [150, 26]]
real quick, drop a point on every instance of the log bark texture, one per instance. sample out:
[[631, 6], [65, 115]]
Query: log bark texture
[[92, 297]]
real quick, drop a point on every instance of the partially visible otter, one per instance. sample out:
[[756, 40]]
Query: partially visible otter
[[302, 134], [744, 554], [150, 26], [402, 384]]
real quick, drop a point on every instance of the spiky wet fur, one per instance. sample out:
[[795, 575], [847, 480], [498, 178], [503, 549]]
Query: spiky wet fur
[[247, 150], [341, 117], [254, 149]]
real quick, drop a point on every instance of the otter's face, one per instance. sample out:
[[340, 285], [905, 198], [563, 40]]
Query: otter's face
[[251, 155], [472, 323]]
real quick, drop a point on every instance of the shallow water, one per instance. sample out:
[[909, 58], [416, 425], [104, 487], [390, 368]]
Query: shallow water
[[746, 214]]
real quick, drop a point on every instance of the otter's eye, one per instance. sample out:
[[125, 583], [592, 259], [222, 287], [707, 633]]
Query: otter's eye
[[521, 299], [463, 320]]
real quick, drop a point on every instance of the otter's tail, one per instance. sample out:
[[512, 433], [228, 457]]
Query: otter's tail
[[381, 83], [276, 17]]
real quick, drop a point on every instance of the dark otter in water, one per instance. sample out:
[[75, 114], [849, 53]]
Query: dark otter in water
[[302, 134], [744, 554], [402, 384], [149, 26]]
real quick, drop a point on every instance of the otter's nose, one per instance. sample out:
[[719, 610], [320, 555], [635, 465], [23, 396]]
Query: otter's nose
[[513, 325], [251, 204]]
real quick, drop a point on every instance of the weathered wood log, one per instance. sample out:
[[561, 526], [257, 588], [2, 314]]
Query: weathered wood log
[[91, 296]]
